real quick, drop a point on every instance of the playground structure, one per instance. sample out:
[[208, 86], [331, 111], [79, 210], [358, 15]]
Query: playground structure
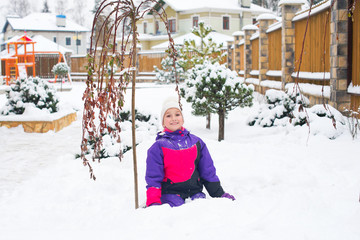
[[20, 61]]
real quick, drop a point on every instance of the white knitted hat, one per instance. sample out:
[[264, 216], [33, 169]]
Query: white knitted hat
[[170, 102]]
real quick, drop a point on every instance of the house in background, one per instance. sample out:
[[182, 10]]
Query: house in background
[[56, 28], [225, 17], [35, 56]]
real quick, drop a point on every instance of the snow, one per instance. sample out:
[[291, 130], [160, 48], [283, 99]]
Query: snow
[[312, 75], [312, 89], [314, 10], [271, 84], [291, 2], [273, 73], [44, 22], [252, 81], [254, 36], [287, 183], [353, 89], [254, 72], [238, 33], [274, 27], [42, 45], [250, 27], [266, 16]]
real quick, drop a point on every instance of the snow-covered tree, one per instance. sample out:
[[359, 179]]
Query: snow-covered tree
[[30, 92], [214, 88], [77, 13], [19, 7], [60, 7], [191, 55], [45, 8], [61, 69], [145, 124], [168, 73]]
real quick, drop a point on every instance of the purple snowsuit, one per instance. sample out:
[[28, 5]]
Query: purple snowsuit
[[178, 166]]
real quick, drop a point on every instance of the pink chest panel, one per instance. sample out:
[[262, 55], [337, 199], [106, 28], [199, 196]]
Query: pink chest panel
[[179, 165]]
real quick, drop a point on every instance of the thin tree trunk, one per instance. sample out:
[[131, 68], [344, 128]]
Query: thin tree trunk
[[221, 125], [208, 120], [133, 118]]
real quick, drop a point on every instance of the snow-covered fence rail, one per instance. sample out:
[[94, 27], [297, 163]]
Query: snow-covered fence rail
[[328, 59]]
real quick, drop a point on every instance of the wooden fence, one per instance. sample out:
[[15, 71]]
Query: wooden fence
[[324, 59], [255, 54], [274, 38], [355, 99], [316, 51]]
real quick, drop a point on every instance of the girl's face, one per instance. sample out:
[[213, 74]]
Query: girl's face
[[173, 119]]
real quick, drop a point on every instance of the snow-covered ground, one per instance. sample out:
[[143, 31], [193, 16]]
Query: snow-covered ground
[[288, 184]]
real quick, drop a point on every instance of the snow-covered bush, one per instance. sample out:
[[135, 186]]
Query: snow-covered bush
[[60, 69], [145, 124], [32, 93], [213, 88], [280, 108], [284, 109], [169, 74]]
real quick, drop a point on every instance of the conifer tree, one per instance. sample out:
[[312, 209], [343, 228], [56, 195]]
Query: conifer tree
[[214, 88], [191, 55]]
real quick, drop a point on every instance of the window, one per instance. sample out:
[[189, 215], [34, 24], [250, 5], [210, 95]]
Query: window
[[78, 42], [145, 27], [54, 39], [68, 41], [195, 21], [172, 25], [226, 23], [254, 21]]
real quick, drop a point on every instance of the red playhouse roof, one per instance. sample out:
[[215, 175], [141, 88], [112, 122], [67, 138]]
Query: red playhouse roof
[[23, 39]]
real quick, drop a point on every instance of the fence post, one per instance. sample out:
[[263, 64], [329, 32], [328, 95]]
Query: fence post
[[265, 20], [230, 55], [249, 30], [238, 36], [339, 55], [288, 11]]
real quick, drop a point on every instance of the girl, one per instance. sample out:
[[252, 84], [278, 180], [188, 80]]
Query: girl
[[179, 163]]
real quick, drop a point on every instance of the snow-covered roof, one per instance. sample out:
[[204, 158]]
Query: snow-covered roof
[[42, 45], [216, 37], [231, 6], [45, 45], [42, 22]]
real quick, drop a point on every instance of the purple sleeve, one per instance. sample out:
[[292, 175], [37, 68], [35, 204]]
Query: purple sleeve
[[154, 167], [207, 172]]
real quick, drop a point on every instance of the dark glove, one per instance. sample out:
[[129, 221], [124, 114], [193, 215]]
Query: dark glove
[[227, 195]]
